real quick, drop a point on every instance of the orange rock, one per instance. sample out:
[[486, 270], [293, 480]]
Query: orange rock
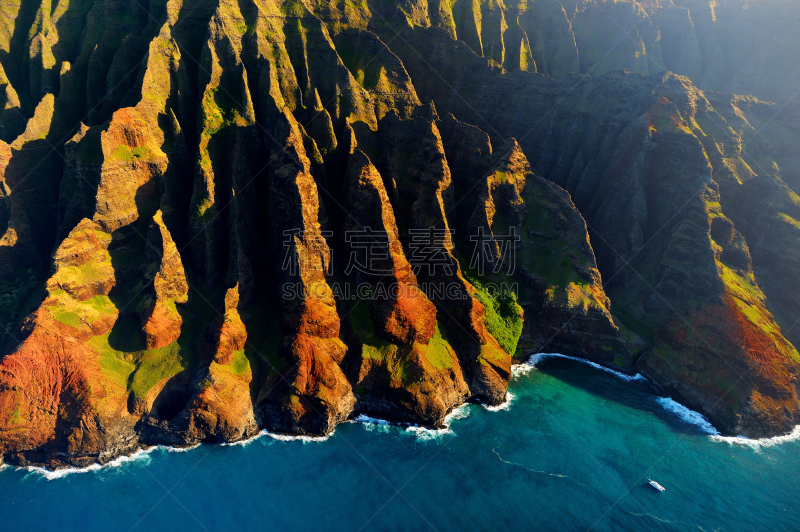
[[50, 377]]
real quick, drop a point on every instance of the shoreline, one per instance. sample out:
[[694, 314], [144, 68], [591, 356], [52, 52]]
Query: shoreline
[[423, 434], [670, 405]]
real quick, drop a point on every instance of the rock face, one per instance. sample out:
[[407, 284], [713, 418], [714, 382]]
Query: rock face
[[406, 370], [220, 217], [162, 321], [315, 395]]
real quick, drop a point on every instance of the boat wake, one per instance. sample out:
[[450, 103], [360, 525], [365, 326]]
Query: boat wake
[[523, 466], [655, 517]]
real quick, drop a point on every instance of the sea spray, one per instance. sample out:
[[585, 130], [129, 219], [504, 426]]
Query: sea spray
[[422, 434], [178, 449], [141, 455], [505, 405], [687, 415], [535, 359], [669, 404], [428, 434], [519, 370], [749, 488], [292, 437], [757, 445], [246, 442]]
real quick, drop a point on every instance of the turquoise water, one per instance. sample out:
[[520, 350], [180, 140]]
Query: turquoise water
[[572, 451]]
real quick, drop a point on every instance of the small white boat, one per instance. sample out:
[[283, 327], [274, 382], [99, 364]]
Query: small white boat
[[656, 485]]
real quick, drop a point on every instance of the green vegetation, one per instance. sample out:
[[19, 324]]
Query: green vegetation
[[155, 366], [239, 366], [374, 347], [16, 418], [750, 301], [438, 351], [128, 154], [66, 317], [378, 349], [96, 269], [366, 68], [117, 365], [503, 316], [129, 365], [70, 312], [217, 116], [202, 210], [742, 287], [545, 251], [788, 219], [664, 352]]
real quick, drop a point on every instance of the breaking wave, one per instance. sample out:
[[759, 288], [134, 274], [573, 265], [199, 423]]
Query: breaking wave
[[686, 414], [140, 455], [535, 359], [290, 437], [505, 405], [760, 443], [420, 433]]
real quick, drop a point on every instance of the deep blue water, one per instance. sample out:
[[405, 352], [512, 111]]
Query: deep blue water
[[573, 451]]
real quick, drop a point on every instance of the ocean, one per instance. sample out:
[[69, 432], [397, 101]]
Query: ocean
[[573, 449]]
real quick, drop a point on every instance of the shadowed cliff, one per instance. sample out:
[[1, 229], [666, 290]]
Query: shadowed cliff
[[184, 186]]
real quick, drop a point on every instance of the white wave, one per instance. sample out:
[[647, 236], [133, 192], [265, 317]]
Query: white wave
[[373, 424], [420, 433], [178, 449], [289, 437], [503, 406], [457, 413], [760, 443], [367, 420], [689, 416], [245, 443], [518, 370], [535, 359], [426, 434], [141, 454]]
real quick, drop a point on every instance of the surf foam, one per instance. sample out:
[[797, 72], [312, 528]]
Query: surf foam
[[141, 454], [179, 449], [502, 406], [412, 429], [688, 415], [373, 424], [760, 443], [535, 359], [518, 370], [288, 437], [245, 443]]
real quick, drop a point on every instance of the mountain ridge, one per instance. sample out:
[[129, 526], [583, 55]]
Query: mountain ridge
[[234, 148]]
